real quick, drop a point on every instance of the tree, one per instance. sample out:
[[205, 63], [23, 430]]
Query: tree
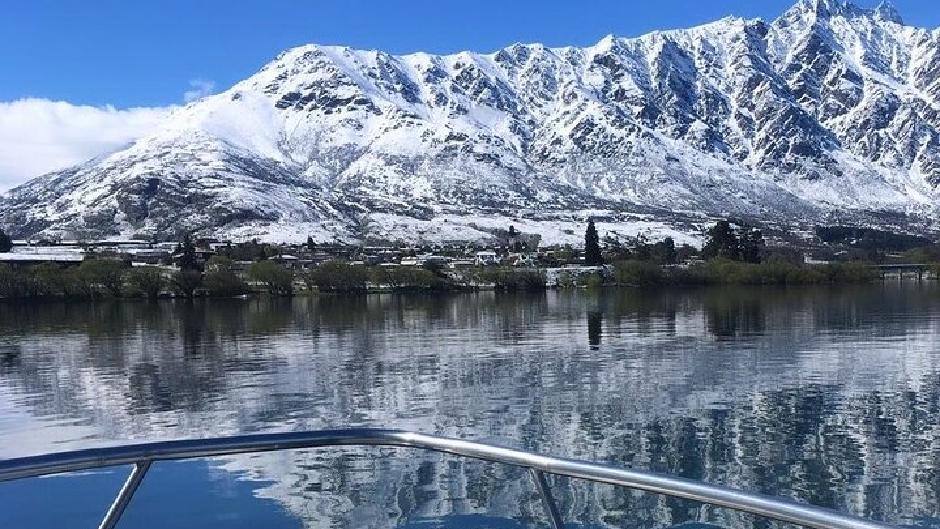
[[186, 254], [752, 246], [221, 279], [592, 247], [148, 280], [6, 243], [51, 280], [260, 250], [406, 277], [105, 275], [721, 242], [685, 253], [186, 282], [276, 278], [11, 282], [515, 243], [310, 244], [664, 251], [338, 276]]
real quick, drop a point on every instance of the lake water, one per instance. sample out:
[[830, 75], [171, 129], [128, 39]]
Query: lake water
[[830, 396]]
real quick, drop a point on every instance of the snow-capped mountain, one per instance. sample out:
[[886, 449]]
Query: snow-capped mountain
[[831, 110]]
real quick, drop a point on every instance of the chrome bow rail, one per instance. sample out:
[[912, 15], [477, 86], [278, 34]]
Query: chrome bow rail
[[141, 456]]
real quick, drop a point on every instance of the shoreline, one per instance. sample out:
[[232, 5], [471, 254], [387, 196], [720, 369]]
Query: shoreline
[[442, 293]]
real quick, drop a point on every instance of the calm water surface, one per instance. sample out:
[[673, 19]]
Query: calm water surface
[[825, 395]]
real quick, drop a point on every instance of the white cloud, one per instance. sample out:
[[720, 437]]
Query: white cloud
[[38, 135], [198, 89]]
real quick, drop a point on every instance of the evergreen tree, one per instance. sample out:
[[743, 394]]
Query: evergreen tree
[[665, 251], [310, 244], [6, 244], [592, 247], [515, 244], [261, 253], [721, 242], [752, 246], [186, 254]]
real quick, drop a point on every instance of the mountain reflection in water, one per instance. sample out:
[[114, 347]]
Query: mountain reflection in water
[[830, 396]]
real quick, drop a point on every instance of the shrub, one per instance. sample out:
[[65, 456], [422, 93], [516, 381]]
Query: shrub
[[592, 280], [11, 282], [721, 271], [727, 272], [147, 281], [221, 279], [6, 244], [638, 273], [850, 273], [407, 277], [275, 278], [186, 282], [512, 279], [102, 276], [338, 276], [50, 280]]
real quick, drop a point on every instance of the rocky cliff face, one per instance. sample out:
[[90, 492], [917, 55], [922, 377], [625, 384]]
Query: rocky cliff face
[[829, 110]]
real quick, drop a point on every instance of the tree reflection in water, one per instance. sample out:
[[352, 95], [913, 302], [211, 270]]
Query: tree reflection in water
[[594, 322]]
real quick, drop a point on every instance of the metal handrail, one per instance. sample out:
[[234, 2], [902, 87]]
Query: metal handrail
[[142, 455]]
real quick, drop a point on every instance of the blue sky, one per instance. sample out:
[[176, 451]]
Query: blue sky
[[148, 53]]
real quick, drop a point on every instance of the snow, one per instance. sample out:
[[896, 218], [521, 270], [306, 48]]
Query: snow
[[553, 232], [287, 232]]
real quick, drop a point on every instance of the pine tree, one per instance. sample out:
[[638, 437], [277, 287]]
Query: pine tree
[[752, 246], [187, 254], [722, 242], [515, 244], [6, 244], [592, 247], [665, 251]]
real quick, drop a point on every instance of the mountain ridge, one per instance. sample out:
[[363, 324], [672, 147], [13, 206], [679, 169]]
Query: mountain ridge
[[829, 112]]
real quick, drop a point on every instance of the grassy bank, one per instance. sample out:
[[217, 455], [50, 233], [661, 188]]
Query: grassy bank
[[726, 272], [95, 279]]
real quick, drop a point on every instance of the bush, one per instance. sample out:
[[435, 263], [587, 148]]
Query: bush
[[850, 273], [186, 282], [728, 272], [276, 279], [512, 279], [221, 279], [338, 276], [722, 271], [592, 280], [6, 244], [49, 280], [407, 277], [44, 280], [102, 276], [566, 280], [638, 273], [12, 284], [147, 281]]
